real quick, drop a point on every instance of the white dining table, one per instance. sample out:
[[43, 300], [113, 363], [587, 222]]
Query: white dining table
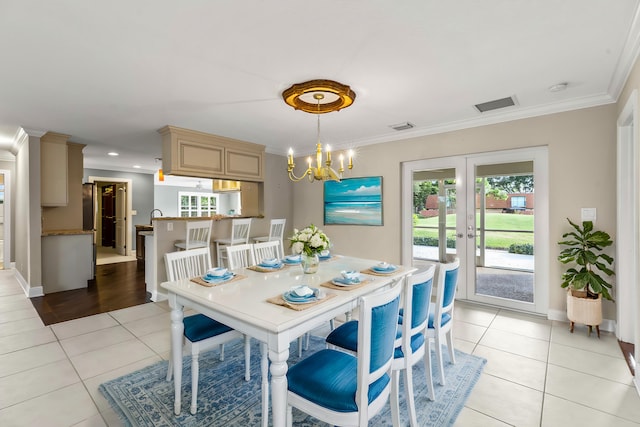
[[242, 305]]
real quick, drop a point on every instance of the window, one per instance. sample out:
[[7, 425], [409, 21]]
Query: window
[[518, 202], [197, 204]]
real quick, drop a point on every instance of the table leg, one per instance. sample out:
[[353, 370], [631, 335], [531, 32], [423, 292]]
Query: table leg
[[279, 386], [264, 369], [177, 330]]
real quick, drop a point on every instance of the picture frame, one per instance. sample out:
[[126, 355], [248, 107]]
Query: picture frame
[[353, 201]]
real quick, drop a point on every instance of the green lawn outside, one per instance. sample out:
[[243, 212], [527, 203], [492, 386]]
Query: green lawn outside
[[494, 221]]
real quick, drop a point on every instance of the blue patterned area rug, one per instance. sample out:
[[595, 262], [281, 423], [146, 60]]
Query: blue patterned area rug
[[145, 398]]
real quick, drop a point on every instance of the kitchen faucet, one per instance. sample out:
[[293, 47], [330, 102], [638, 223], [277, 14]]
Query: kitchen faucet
[[151, 215]]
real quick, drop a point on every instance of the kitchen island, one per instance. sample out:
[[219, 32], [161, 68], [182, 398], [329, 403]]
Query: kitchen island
[[67, 260]]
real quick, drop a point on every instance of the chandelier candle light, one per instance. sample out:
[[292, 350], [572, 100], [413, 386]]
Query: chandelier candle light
[[329, 96]]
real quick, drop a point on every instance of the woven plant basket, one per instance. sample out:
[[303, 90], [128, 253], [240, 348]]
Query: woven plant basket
[[587, 311]]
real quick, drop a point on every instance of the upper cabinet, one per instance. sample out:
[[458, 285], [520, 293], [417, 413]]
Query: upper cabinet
[[54, 169], [191, 153]]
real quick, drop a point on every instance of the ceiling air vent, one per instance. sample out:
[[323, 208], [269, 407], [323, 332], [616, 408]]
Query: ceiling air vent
[[495, 104], [402, 126]]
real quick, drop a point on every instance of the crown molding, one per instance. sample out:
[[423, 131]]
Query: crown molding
[[485, 120], [627, 58]]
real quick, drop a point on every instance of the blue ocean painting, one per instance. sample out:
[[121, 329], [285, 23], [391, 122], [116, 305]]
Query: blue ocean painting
[[353, 201]]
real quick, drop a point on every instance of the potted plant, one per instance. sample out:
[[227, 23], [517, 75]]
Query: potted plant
[[586, 278]]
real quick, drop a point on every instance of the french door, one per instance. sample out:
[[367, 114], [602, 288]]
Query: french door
[[490, 210]]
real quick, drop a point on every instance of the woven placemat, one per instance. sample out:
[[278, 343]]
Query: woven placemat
[[200, 281], [378, 273], [331, 285], [278, 300], [267, 270]]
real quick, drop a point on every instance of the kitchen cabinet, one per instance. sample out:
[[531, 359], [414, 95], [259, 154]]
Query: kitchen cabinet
[[141, 232], [190, 153], [54, 169]]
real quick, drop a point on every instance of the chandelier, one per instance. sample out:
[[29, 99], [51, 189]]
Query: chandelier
[[319, 97]]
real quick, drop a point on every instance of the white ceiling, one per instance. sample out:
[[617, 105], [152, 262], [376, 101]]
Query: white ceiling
[[112, 73]]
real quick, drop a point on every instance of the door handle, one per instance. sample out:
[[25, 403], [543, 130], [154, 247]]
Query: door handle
[[460, 235], [471, 235]]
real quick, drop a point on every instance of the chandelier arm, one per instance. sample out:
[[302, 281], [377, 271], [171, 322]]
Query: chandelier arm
[[294, 178]]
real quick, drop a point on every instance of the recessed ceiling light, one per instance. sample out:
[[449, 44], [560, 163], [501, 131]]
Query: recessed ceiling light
[[136, 166], [113, 153], [558, 87]]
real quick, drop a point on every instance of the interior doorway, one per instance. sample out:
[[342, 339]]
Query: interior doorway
[[113, 219], [628, 241]]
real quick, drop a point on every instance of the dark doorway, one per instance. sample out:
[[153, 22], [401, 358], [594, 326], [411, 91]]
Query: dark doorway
[[108, 216]]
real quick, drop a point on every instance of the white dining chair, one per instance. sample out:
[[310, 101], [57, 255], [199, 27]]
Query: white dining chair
[[198, 235], [340, 388], [240, 256], [240, 229], [441, 318], [201, 333], [268, 249], [276, 232]]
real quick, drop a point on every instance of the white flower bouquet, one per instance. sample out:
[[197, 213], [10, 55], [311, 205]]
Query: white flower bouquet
[[310, 241]]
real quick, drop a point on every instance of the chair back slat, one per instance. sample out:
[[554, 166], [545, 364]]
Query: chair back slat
[[276, 229], [240, 256], [264, 250], [198, 234], [240, 229], [186, 264]]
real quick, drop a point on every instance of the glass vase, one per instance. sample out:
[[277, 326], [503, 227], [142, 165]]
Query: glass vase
[[309, 263]]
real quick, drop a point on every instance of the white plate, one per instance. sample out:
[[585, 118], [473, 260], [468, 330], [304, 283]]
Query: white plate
[[336, 281], [389, 269], [271, 267], [299, 300], [219, 279]]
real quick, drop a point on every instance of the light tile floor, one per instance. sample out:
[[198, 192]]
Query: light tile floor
[[537, 374]]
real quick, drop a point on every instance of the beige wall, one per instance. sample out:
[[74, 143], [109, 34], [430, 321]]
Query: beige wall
[[582, 160], [278, 194]]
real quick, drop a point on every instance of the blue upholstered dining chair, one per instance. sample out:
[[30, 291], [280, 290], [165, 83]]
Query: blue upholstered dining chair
[[201, 333], [441, 315], [343, 389], [410, 341]]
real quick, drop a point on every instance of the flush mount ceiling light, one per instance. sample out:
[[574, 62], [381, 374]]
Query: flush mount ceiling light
[[335, 96], [113, 153], [319, 97]]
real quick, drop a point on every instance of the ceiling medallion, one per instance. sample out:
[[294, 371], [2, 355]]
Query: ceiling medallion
[[336, 96], [318, 97]]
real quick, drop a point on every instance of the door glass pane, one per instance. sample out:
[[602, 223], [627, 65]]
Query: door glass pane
[[434, 216], [504, 219]]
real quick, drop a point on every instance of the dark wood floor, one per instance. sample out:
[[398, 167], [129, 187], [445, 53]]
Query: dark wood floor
[[116, 286], [628, 353]]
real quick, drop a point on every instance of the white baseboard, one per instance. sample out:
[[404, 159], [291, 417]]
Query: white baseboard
[[561, 316], [158, 296], [29, 291]]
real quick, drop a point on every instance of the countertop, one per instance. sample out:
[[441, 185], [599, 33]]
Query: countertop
[[65, 232], [202, 218]]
